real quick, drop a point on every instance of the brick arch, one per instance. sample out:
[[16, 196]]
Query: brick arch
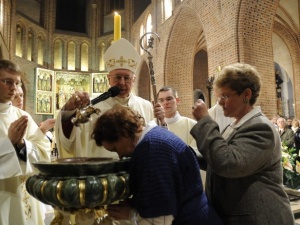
[[142, 82], [254, 46], [289, 36], [179, 58], [254, 28]]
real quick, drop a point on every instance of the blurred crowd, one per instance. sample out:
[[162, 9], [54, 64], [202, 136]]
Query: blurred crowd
[[288, 129]]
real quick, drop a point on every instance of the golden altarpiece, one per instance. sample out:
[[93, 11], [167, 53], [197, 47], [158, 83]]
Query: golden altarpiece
[[54, 88]]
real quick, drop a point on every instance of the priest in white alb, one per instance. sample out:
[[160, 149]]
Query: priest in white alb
[[121, 61]]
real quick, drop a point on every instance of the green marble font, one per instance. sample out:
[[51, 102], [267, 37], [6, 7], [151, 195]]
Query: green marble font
[[80, 183]]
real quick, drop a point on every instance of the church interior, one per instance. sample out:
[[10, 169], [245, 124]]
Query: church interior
[[60, 44]]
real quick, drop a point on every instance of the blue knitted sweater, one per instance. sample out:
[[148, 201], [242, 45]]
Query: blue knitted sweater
[[165, 180]]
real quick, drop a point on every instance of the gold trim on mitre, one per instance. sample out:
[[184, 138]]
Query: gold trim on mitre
[[121, 55]]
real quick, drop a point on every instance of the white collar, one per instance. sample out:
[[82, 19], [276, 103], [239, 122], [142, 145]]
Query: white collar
[[123, 101], [5, 107], [173, 119], [233, 126], [146, 129], [246, 117]]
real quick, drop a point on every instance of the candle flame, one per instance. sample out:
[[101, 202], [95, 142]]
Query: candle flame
[[116, 13]]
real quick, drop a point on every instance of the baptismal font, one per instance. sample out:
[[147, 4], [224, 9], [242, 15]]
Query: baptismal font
[[81, 187]]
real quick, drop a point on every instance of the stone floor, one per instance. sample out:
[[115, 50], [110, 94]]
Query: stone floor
[[295, 207]]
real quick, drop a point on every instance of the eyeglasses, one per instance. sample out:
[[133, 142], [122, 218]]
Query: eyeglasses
[[118, 78], [224, 97], [10, 83]]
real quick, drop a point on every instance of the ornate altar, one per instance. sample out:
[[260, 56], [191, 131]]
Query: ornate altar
[[54, 88], [80, 185]]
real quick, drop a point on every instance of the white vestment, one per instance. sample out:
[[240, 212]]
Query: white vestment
[[16, 205], [181, 126], [217, 114], [80, 143]]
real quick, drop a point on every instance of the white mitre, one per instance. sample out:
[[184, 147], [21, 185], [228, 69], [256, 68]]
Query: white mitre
[[121, 55]]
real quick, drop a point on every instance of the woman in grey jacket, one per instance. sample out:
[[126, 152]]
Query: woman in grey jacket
[[244, 175]]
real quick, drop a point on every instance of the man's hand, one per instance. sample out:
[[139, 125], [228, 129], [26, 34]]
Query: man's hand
[[16, 131], [159, 113], [47, 125], [77, 100]]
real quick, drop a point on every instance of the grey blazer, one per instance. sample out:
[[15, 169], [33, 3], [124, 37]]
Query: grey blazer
[[244, 174]]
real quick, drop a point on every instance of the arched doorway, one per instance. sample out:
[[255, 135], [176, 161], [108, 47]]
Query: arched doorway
[[285, 92]]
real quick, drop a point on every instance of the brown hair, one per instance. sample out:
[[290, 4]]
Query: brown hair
[[239, 77], [168, 88], [119, 121], [10, 67]]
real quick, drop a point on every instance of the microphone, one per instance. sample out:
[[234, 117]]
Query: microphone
[[112, 92]]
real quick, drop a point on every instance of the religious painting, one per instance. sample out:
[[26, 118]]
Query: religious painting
[[44, 79], [44, 86], [100, 83], [66, 83], [44, 102]]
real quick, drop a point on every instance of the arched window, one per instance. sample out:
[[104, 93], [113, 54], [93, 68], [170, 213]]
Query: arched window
[[84, 57], [167, 8], [149, 26], [1, 16], [30, 46], [40, 56], [149, 23], [58, 54], [19, 37], [101, 56], [141, 34], [71, 55]]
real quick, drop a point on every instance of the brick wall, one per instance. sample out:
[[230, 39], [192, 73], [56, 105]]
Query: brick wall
[[199, 37]]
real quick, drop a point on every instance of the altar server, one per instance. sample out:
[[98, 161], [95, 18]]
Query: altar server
[[22, 143]]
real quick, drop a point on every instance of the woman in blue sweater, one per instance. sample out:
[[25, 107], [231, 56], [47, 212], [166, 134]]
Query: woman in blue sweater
[[165, 180]]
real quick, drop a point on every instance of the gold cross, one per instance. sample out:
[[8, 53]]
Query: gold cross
[[121, 60]]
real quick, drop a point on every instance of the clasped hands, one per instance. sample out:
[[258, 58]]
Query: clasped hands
[[16, 131]]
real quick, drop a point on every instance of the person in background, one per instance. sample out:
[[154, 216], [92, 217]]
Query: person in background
[[22, 143], [289, 122], [165, 110], [164, 174], [286, 134], [45, 126], [274, 120], [244, 180], [295, 125], [295, 128], [18, 99], [121, 62]]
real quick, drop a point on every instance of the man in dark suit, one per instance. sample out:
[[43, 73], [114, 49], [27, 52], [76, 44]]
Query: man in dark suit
[[286, 134]]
